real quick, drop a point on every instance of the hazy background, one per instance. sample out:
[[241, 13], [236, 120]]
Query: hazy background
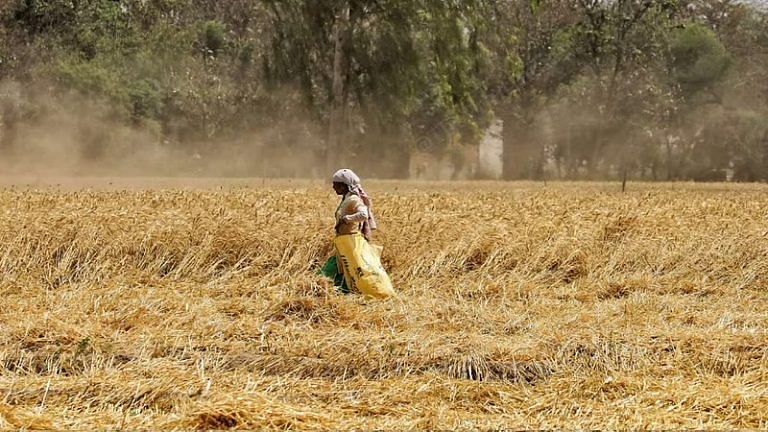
[[561, 89]]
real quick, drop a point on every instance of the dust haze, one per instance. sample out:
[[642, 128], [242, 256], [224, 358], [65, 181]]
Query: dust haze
[[69, 134]]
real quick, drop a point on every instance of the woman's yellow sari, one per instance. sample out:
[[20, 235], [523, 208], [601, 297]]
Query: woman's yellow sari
[[360, 263]]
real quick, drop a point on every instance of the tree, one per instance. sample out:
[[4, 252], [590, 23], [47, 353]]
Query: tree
[[533, 40], [622, 44], [399, 61], [697, 63]]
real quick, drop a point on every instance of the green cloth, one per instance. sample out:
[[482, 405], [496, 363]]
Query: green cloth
[[331, 271]]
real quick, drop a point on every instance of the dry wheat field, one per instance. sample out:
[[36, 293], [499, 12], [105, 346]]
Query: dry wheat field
[[521, 306]]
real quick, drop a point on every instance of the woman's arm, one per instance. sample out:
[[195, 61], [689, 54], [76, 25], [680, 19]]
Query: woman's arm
[[360, 216], [358, 213]]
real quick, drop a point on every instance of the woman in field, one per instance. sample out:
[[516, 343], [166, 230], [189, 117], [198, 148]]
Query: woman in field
[[357, 266]]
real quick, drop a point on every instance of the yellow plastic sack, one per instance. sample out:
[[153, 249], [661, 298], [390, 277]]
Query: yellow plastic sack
[[361, 264]]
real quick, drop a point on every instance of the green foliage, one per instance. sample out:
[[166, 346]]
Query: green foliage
[[146, 98], [39, 16], [212, 38], [698, 60], [409, 65], [91, 78]]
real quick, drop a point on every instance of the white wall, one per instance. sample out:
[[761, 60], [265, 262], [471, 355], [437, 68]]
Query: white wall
[[492, 150]]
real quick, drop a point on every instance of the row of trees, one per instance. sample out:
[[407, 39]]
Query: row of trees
[[652, 89], [661, 89]]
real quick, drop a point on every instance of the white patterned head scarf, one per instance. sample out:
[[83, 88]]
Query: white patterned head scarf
[[349, 178]]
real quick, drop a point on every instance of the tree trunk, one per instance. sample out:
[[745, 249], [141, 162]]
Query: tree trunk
[[8, 127], [624, 178], [335, 147], [669, 159]]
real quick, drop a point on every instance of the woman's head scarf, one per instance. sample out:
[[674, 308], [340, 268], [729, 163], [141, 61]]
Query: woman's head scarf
[[349, 178]]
